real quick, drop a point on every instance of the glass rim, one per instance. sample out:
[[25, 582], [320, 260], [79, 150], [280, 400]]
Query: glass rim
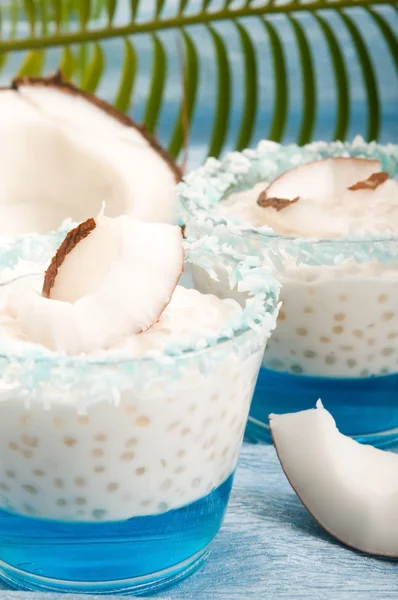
[[190, 191], [262, 288]]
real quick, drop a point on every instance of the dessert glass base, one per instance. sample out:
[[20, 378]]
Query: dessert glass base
[[46, 555], [364, 408]]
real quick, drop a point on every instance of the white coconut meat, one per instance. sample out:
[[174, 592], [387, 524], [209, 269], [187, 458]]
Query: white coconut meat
[[317, 199], [349, 488], [65, 153], [110, 279]]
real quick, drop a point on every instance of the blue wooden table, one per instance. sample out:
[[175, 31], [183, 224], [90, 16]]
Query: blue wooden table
[[270, 548]]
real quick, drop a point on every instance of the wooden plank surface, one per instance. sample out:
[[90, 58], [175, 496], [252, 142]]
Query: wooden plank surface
[[270, 548]]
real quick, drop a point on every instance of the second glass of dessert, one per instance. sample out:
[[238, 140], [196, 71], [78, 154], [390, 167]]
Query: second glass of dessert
[[325, 218], [123, 402]]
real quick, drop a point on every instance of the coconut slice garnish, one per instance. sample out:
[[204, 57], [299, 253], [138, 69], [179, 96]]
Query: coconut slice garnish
[[349, 488], [371, 183], [317, 185], [109, 279], [64, 152]]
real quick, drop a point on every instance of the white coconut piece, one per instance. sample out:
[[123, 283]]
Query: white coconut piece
[[349, 488], [111, 278], [65, 152], [318, 199]]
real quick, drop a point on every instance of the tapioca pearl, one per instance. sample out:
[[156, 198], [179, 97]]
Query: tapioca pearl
[[70, 441], [38, 472], [293, 352], [214, 397], [30, 441], [185, 431], [80, 501], [30, 489], [14, 446], [281, 315], [339, 317], [181, 453], [311, 291], [99, 514], [351, 363], [308, 310], [173, 425], [330, 359], [324, 339], [276, 364], [10, 474], [338, 329], [29, 510], [79, 481], [163, 463], [58, 483], [27, 453], [309, 354], [166, 485], [127, 456], [343, 297], [371, 342], [112, 487], [142, 421], [100, 437], [302, 331], [61, 502], [384, 371], [392, 335], [365, 373], [83, 419], [58, 421], [146, 503], [4, 487], [196, 482], [347, 348], [140, 471], [358, 333], [387, 316], [130, 408], [99, 469], [131, 442], [382, 298], [163, 506], [171, 399], [210, 442], [207, 422], [211, 457], [224, 451], [97, 452], [387, 351], [296, 369], [193, 408], [370, 326], [25, 419]]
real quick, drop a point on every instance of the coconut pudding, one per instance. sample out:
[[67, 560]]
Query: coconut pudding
[[124, 398], [325, 217], [64, 152]]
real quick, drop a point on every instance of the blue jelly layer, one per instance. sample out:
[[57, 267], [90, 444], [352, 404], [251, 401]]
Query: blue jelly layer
[[365, 408], [105, 552]]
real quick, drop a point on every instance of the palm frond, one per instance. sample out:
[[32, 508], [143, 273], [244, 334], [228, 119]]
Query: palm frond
[[76, 35]]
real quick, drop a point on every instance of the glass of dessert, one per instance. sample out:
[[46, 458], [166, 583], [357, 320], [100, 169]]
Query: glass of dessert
[[123, 402], [325, 218]]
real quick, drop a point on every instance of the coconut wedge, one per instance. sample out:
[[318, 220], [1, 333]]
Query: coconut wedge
[[350, 489], [296, 202], [110, 278], [65, 153]]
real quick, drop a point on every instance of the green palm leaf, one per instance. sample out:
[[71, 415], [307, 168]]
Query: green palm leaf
[[79, 29]]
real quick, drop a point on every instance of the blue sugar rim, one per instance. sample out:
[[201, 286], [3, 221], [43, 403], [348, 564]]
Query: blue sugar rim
[[203, 189], [259, 314]]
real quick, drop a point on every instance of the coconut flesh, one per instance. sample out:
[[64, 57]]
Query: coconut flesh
[[321, 198], [349, 488], [110, 278], [64, 153]]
